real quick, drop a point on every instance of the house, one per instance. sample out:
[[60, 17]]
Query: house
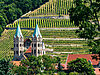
[[89, 57]]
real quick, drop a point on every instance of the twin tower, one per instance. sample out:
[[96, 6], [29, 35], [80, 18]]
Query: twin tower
[[37, 46]]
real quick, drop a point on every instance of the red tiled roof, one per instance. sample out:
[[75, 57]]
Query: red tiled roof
[[86, 56], [97, 72], [17, 63], [29, 50]]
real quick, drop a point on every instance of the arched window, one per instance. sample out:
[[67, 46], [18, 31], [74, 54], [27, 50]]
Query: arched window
[[38, 51], [16, 52], [17, 45], [35, 51], [43, 52], [38, 45], [14, 45], [35, 45], [20, 45]]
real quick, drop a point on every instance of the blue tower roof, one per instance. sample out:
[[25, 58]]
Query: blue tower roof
[[36, 32], [18, 32]]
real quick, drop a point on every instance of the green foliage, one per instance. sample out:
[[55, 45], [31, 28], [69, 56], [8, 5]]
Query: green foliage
[[62, 73], [2, 24], [81, 65], [49, 62], [73, 73], [95, 46], [86, 16], [5, 67], [35, 65]]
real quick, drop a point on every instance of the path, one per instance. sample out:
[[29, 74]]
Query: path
[[64, 45], [46, 17], [62, 52], [75, 28], [63, 39]]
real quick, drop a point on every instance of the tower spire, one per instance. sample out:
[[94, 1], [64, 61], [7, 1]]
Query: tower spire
[[36, 32], [18, 31]]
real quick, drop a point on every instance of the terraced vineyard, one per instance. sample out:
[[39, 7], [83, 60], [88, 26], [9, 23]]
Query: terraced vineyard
[[58, 9], [6, 41], [52, 8], [43, 23]]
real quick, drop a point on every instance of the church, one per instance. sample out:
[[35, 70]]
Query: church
[[22, 49]]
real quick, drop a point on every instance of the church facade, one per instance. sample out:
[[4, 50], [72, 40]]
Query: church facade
[[36, 47]]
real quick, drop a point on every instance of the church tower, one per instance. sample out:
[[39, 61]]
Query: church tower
[[18, 44], [37, 44]]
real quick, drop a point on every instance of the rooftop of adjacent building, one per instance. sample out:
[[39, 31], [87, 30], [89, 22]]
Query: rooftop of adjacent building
[[89, 58]]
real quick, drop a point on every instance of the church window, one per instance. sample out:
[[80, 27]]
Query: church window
[[43, 52], [28, 44], [34, 45], [17, 45], [16, 52], [38, 45], [20, 45], [20, 51], [35, 51], [14, 45], [38, 51]]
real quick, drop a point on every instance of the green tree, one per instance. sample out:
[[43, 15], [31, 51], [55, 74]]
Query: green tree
[[2, 24], [24, 5], [73, 73], [62, 73], [6, 67], [20, 70], [85, 14], [33, 64], [81, 65], [49, 62]]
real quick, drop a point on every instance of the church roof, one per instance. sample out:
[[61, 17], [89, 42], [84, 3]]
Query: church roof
[[18, 32], [36, 32]]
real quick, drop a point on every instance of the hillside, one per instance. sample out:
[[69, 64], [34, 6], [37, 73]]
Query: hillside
[[52, 8], [52, 14], [75, 46]]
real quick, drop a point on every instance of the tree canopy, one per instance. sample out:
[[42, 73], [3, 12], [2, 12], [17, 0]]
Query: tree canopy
[[86, 15], [36, 65], [81, 65]]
